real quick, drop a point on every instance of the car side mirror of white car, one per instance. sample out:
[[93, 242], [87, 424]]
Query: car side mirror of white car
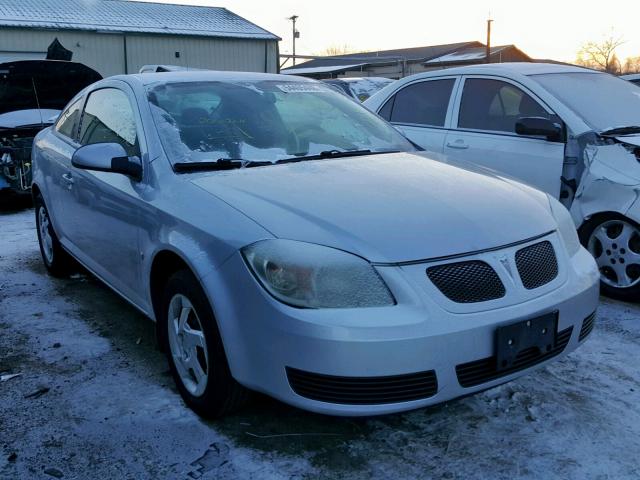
[[540, 126], [107, 157]]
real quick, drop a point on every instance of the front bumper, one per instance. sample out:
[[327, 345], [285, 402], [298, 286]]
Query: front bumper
[[422, 333]]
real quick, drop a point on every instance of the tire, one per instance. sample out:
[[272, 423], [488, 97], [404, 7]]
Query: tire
[[57, 261], [193, 347], [614, 241]]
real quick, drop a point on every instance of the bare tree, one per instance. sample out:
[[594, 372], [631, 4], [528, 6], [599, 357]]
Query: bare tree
[[631, 65], [601, 55], [334, 50]]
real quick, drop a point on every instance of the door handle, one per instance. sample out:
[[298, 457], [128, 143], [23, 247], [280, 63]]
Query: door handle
[[459, 144], [68, 179]]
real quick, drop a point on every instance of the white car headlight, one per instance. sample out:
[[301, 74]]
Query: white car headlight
[[313, 276], [566, 227]]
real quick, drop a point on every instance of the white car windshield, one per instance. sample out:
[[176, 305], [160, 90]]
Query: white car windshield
[[264, 121], [603, 101]]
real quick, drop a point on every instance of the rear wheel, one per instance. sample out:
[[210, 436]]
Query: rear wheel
[[58, 262], [194, 349], [614, 241]]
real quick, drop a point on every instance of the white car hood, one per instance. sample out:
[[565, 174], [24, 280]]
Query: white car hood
[[387, 208], [630, 139]]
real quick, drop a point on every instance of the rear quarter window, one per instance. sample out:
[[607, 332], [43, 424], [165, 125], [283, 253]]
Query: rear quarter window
[[422, 103]]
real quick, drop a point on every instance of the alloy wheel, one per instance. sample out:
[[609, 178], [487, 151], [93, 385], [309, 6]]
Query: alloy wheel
[[188, 345], [46, 240], [615, 244]]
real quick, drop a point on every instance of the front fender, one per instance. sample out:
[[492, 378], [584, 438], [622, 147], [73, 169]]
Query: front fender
[[606, 185]]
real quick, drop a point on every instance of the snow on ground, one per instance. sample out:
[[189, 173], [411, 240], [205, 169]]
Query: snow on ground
[[101, 404]]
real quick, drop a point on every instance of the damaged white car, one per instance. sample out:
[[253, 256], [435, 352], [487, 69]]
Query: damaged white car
[[571, 132]]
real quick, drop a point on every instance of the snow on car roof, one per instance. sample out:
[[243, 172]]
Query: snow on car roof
[[129, 16], [523, 68], [210, 75]]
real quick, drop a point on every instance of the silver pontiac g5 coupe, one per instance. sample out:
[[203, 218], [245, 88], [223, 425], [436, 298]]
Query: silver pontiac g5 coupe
[[287, 240]]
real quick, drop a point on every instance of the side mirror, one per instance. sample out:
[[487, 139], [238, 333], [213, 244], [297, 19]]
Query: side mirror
[[107, 157], [539, 126]]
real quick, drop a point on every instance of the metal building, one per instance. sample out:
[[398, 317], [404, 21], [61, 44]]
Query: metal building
[[117, 36], [406, 61]]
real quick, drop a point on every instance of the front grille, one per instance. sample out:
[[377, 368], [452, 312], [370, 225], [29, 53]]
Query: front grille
[[481, 371], [587, 326], [363, 390], [467, 282], [537, 265]]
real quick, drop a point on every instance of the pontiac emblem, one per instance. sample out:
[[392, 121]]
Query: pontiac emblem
[[504, 260]]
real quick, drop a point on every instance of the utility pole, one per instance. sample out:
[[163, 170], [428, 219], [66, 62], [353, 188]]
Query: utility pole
[[296, 34], [488, 53]]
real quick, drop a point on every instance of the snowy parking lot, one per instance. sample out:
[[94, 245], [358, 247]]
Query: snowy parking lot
[[86, 394]]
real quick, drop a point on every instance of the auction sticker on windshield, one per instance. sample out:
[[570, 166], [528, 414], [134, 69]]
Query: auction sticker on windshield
[[302, 88]]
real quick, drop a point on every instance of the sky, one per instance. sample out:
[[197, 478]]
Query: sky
[[542, 28]]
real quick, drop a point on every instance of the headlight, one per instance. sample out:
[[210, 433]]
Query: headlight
[[566, 227], [312, 276]]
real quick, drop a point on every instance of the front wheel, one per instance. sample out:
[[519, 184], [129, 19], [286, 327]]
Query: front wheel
[[614, 241], [194, 349]]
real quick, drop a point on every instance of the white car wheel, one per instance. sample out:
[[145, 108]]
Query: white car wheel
[[615, 244]]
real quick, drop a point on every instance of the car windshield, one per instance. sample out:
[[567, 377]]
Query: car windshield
[[263, 121], [602, 100]]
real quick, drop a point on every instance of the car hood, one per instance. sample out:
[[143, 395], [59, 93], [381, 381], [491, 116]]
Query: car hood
[[387, 208], [42, 84], [28, 117]]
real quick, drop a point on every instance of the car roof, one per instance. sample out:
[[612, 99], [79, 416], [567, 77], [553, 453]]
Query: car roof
[[521, 68], [207, 75], [631, 76]]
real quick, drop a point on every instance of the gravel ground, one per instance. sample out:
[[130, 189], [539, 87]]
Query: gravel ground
[[94, 399]]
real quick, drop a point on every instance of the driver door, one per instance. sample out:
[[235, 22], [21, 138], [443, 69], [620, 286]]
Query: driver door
[[104, 207]]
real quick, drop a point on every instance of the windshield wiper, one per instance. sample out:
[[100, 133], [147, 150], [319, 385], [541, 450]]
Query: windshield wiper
[[334, 154], [235, 163], [612, 132], [216, 165]]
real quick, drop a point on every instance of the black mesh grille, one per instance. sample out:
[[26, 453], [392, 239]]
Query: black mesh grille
[[363, 390], [587, 326], [481, 371], [537, 265], [467, 282]]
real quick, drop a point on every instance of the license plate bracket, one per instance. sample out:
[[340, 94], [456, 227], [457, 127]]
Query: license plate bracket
[[538, 332]]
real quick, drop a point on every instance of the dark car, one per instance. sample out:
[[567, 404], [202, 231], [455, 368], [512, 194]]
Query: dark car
[[32, 94]]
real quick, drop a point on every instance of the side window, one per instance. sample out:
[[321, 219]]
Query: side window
[[385, 111], [67, 121], [108, 118], [423, 103], [495, 105]]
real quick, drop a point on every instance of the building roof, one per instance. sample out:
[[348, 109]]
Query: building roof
[[129, 16], [469, 55], [386, 56]]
